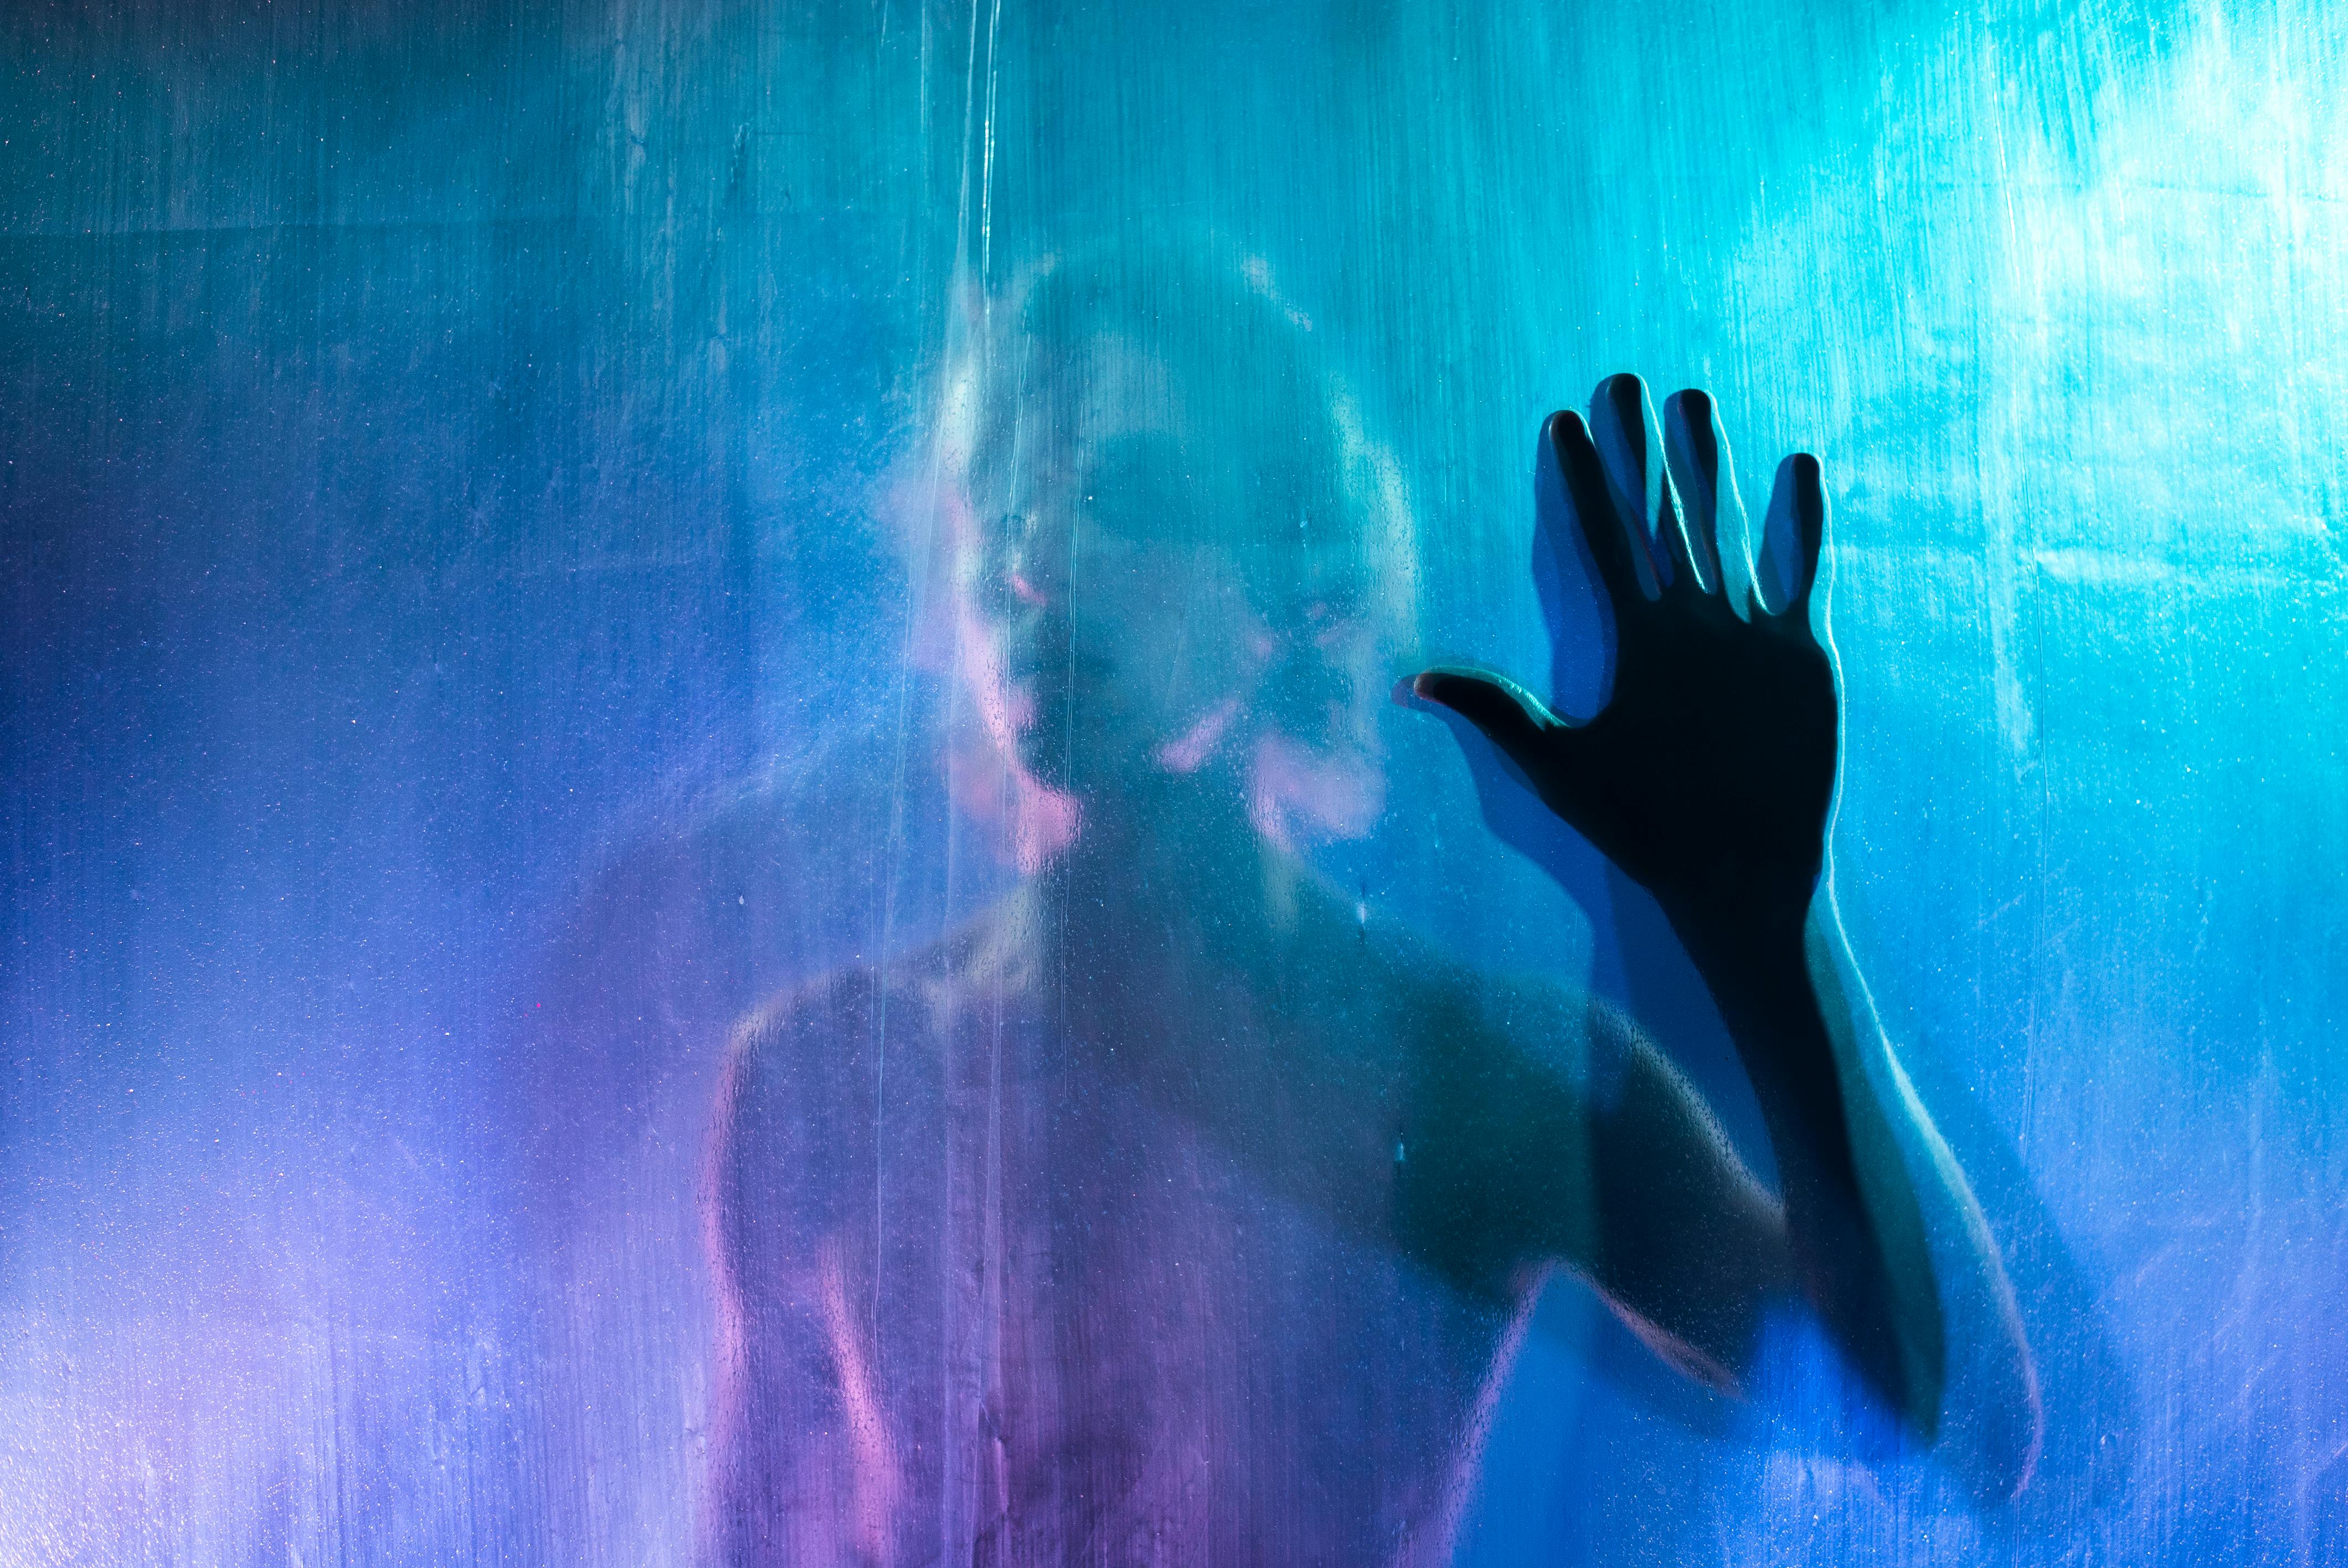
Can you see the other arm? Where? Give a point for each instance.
(805, 1467)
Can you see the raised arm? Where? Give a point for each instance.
(1708, 778)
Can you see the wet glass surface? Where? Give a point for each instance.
(709, 858)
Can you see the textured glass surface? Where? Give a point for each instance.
(499, 511)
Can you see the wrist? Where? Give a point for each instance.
(1739, 930)
(1752, 951)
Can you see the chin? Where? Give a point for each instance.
(1100, 768)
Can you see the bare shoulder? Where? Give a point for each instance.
(840, 1007)
(840, 1019)
(821, 1080)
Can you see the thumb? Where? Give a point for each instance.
(1511, 717)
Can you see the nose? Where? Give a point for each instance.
(1011, 582)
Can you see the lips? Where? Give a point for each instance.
(1052, 693)
(1038, 659)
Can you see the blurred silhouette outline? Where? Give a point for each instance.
(1174, 1197)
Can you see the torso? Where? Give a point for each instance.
(1018, 1271)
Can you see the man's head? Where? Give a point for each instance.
(1176, 549)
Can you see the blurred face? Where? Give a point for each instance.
(1161, 603)
(1118, 640)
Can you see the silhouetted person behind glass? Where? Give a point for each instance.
(1171, 1212)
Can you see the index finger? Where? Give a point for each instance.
(1622, 572)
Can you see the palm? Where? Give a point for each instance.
(1707, 776)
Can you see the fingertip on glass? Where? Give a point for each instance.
(1422, 692)
(1562, 424)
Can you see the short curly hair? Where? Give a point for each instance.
(1188, 341)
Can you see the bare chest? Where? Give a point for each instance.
(1141, 1299)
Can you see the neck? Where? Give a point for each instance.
(1171, 866)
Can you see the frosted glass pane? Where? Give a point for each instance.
(710, 860)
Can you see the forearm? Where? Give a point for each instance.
(1855, 1223)
(1993, 1417)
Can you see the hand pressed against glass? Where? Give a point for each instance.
(1707, 777)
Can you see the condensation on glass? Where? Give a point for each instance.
(710, 860)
